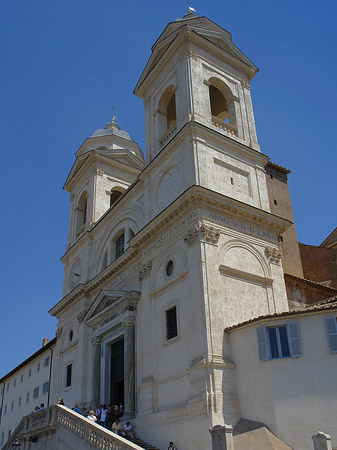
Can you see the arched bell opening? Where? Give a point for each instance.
(167, 115)
(222, 106)
(115, 194)
(81, 212)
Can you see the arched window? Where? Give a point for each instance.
(167, 115)
(120, 246)
(81, 212)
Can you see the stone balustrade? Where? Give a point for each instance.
(224, 126)
(172, 130)
(86, 433)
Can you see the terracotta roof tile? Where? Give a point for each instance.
(327, 304)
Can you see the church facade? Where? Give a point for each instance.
(187, 247)
(167, 255)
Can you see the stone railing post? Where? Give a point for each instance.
(222, 437)
(322, 441)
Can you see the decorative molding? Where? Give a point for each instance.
(99, 171)
(58, 332)
(191, 235)
(145, 271)
(207, 234)
(96, 340)
(129, 322)
(128, 308)
(81, 315)
(210, 360)
(273, 254)
(103, 304)
(195, 197)
(245, 275)
(210, 234)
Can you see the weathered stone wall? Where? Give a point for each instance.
(319, 264)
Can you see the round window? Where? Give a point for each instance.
(169, 268)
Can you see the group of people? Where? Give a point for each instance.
(38, 408)
(107, 415)
(116, 427)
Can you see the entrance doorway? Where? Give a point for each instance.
(117, 372)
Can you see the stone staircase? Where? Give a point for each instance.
(142, 444)
(59, 428)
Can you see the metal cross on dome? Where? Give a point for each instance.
(114, 118)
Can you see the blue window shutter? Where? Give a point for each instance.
(262, 342)
(331, 329)
(294, 339)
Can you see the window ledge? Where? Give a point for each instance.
(168, 134)
(224, 126)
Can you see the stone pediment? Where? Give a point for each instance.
(104, 303)
(122, 158)
(109, 302)
(201, 27)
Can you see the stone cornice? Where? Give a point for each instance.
(185, 35)
(193, 198)
(199, 131)
(92, 156)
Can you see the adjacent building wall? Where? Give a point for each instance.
(294, 397)
(320, 264)
(280, 204)
(26, 386)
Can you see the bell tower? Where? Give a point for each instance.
(198, 110)
(106, 164)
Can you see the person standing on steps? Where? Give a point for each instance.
(171, 446)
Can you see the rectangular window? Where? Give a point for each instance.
(36, 392)
(12, 405)
(45, 387)
(68, 375)
(14, 382)
(171, 323)
(30, 373)
(21, 378)
(27, 397)
(38, 367)
(331, 329)
(19, 401)
(2, 438)
(5, 409)
(46, 362)
(120, 246)
(279, 342)
(7, 387)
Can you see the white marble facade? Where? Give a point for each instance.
(189, 248)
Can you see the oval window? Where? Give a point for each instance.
(169, 268)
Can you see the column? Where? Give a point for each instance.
(96, 373)
(222, 437)
(129, 366)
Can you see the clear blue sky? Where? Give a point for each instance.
(65, 63)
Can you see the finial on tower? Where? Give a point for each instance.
(190, 11)
(114, 118)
